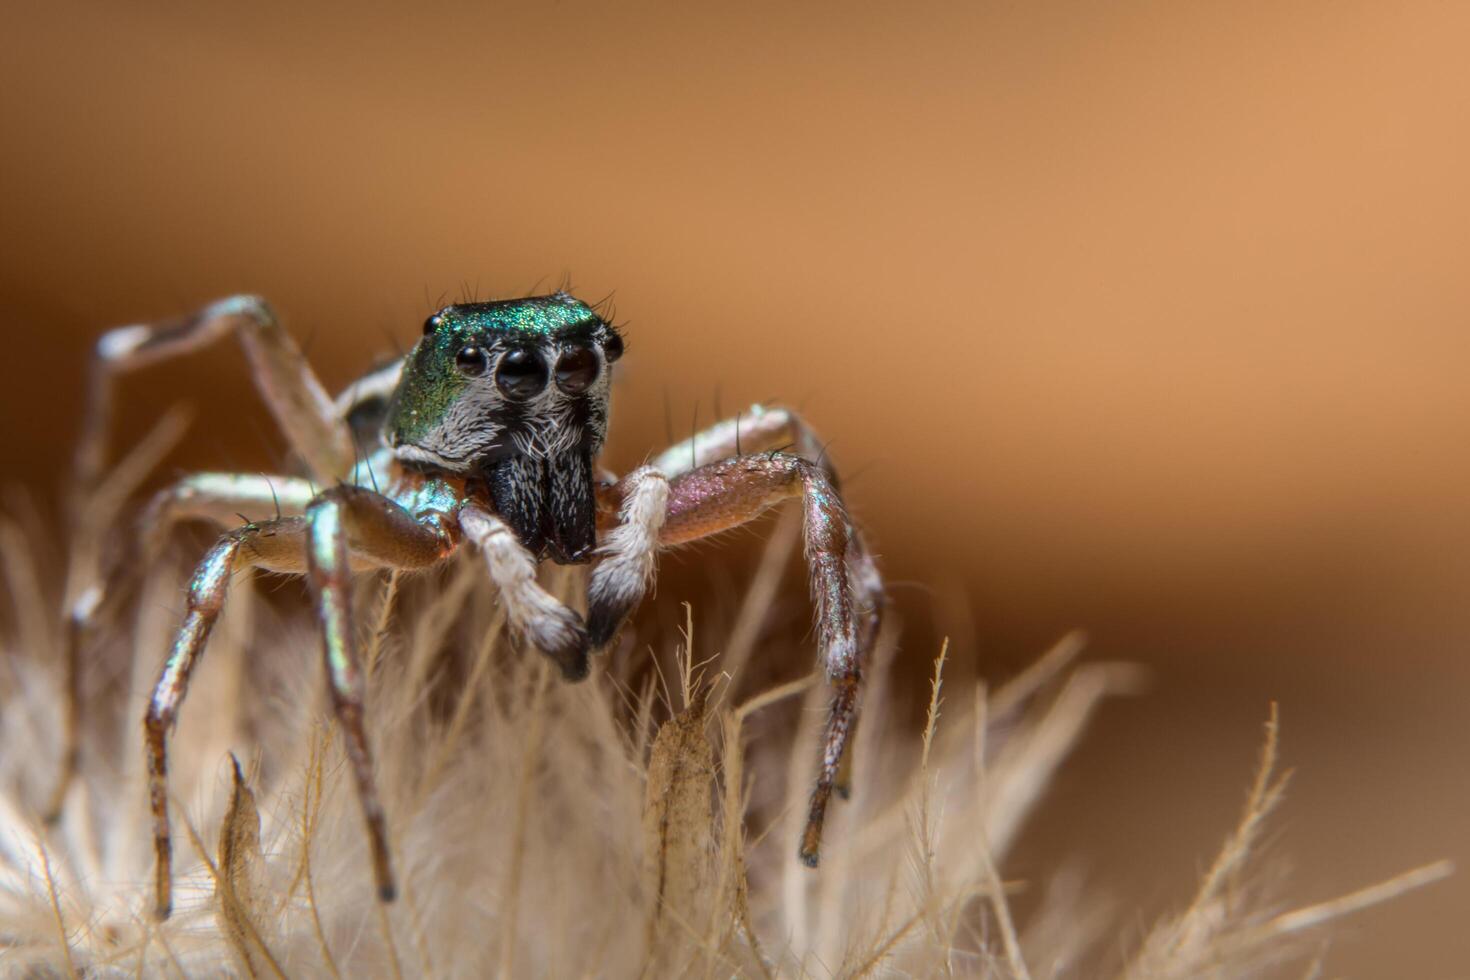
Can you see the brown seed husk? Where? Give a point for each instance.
(679, 829)
(237, 885)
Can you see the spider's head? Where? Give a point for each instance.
(515, 391)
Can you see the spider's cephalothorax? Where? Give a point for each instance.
(485, 434)
(515, 394)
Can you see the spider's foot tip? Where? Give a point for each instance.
(162, 912)
(844, 791)
(811, 844)
(600, 639)
(387, 892)
(602, 625)
(567, 647)
(575, 669)
(573, 659)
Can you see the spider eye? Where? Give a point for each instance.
(471, 361)
(576, 369)
(521, 374)
(612, 348)
(432, 324)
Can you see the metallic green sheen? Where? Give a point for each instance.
(431, 384)
(430, 496)
(326, 544)
(540, 316)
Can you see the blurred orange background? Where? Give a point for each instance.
(1146, 318)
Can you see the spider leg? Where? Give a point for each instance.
(344, 528)
(758, 429)
(534, 614)
(631, 510)
(276, 545)
(869, 584)
(295, 397)
(291, 391)
(845, 585)
(846, 588)
(349, 522)
(622, 575)
(220, 497)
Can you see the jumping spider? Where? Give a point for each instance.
(485, 432)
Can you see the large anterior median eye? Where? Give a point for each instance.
(521, 373)
(576, 369)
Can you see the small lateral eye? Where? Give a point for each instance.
(576, 369)
(612, 348)
(432, 324)
(471, 361)
(521, 373)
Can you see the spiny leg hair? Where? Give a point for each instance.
(221, 498)
(758, 429)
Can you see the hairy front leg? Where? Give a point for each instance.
(291, 390)
(344, 523)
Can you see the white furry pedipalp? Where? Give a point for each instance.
(622, 575)
(533, 613)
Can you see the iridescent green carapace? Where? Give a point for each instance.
(458, 361)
